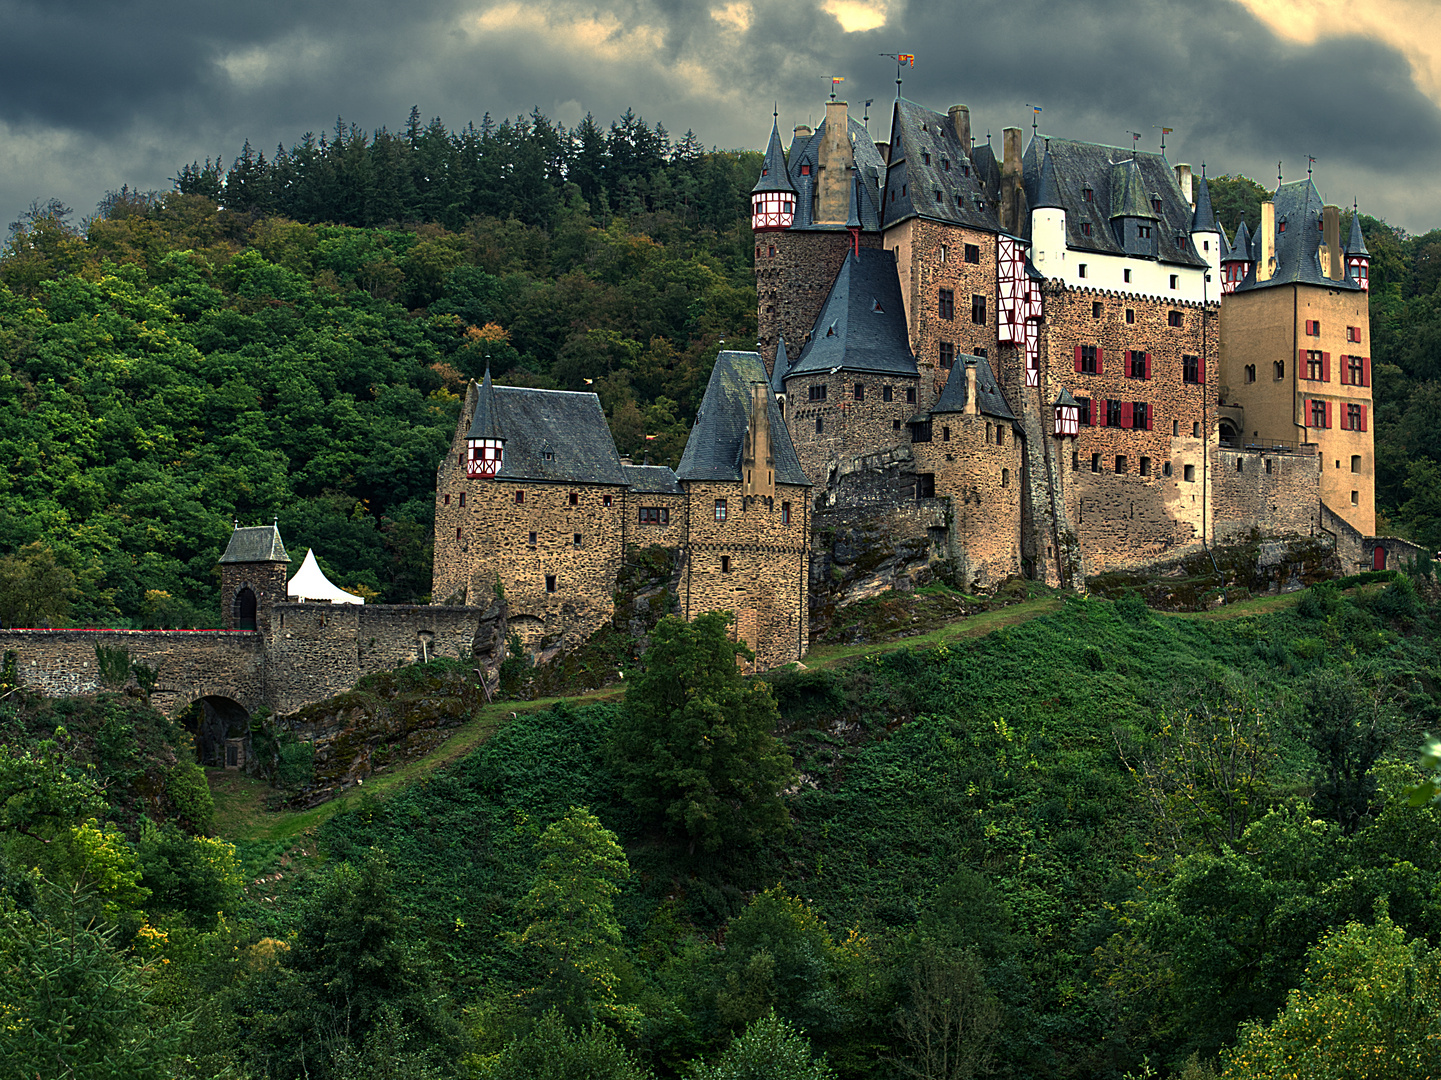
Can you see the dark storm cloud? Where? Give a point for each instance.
(104, 93)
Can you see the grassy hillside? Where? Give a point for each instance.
(969, 796)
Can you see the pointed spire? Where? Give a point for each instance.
(1356, 245)
(1241, 246)
(1225, 248)
(853, 219)
(781, 366)
(774, 176)
(484, 425)
(1048, 188)
(1203, 220)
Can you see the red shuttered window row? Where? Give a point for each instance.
(1353, 417)
(1135, 415)
(1314, 365)
(1317, 413)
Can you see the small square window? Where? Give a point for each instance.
(447, 500)
(575, 540)
(1130, 315)
(531, 540)
(1173, 318)
(910, 395)
(606, 500)
(1126, 276)
(859, 394)
(978, 310)
(720, 509)
(1081, 270)
(1120, 464)
(725, 564)
(550, 583)
(973, 253)
(1175, 281)
(519, 497)
(1096, 309)
(886, 393)
(575, 498)
(1188, 474)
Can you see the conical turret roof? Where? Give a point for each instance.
(1356, 245)
(484, 425)
(773, 170)
(1241, 246)
(1129, 197)
(1048, 187)
(1203, 220)
(781, 366)
(853, 219)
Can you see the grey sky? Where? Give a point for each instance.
(97, 94)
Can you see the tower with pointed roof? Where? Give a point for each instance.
(1237, 262)
(1296, 343)
(252, 576)
(1358, 259)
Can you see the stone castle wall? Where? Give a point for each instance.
(847, 425)
(1264, 493)
(267, 580)
(192, 663)
(753, 563)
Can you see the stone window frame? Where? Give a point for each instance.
(1355, 463)
(462, 499)
(1130, 316)
(859, 392)
(946, 355)
(978, 309)
(1122, 465)
(1315, 366)
(519, 497)
(577, 540)
(720, 511)
(446, 501)
(1175, 319)
(816, 392)
(574, 498)
(1113, 412)
(1138, 364)
(887, 393)
(1097, 309)
(1141, 418)
(725, 567)
(1250, 373)
(1175, 281)
(946, 304)
(607, 500)
(1191, 369)
(785, 513)
(910, 395)
(551, 584)
(652, 515)
(1144, 466)
(1095, 463)
(530, 541)
(1083, 413)
(1188, 473)
(1090, 359)
(973, 254)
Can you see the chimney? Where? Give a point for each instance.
(1183, 177)
(1266, 265)
(1333, 262)
(970, 408)
(758, 476)
(884, 149)
(625, 459)
(1013, 192)
(833, 186)
(961, 125)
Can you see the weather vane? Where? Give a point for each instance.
(1035, 119)
(867, 118)
(1164, 132)
(1135, 138)
(1310, 165)
(902, 60)
(836, 80)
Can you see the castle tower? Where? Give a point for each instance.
(1358, 259)
(1206, 235)
(485, 445)
(252, 576)
(1237, 262)
(773, 199)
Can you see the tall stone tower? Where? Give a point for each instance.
(252, 576)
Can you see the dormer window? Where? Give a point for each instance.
(946, 164)
(965, 170)
(925, 158)
(1085, 228)
(937, 195)
(805, 170)
(1143, 231)
(1281, 227)
(1156, 205)
(1088, 195)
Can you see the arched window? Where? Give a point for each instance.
(242, 609)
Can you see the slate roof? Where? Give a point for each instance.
(1356, 245)
(1241, 245)
(1048, 188)
(1105, 169)
(1298, 247)
(551, 436)
(870, 170)
(932, 176)
(782, 365)
(862, 325)
(773, 169)
(989, 399)
(717, 441)
(1203, 220)
(482, 422)
(652, 480)
(259, 543)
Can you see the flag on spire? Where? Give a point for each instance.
(908, 59)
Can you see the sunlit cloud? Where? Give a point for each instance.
(737, 16)
(1411, 27)
(857, 15)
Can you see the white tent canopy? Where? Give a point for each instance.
(310, 583)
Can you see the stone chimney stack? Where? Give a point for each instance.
(1183, 177)
(1333, 261)
(758, 457)
(961, 125)
(833, 186)
(1013, 191)
(971, 407)
(1266, 265)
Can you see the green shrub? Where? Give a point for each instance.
(1320, 601)
(189, 794)
(1398, 601)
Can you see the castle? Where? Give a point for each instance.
(1050, 363)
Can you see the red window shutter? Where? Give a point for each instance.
(1127, 414)
(1150, 417)
(1078, 359)
(1365, 371)
(1325, 367)
(1301, 364)
(1306, 412)
(1148, 365)
(1343, 374)
(1201, 369)
(1328, 414)
(1100, 366)
(1363, 418)
(1100, 410)
(1345, 418)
